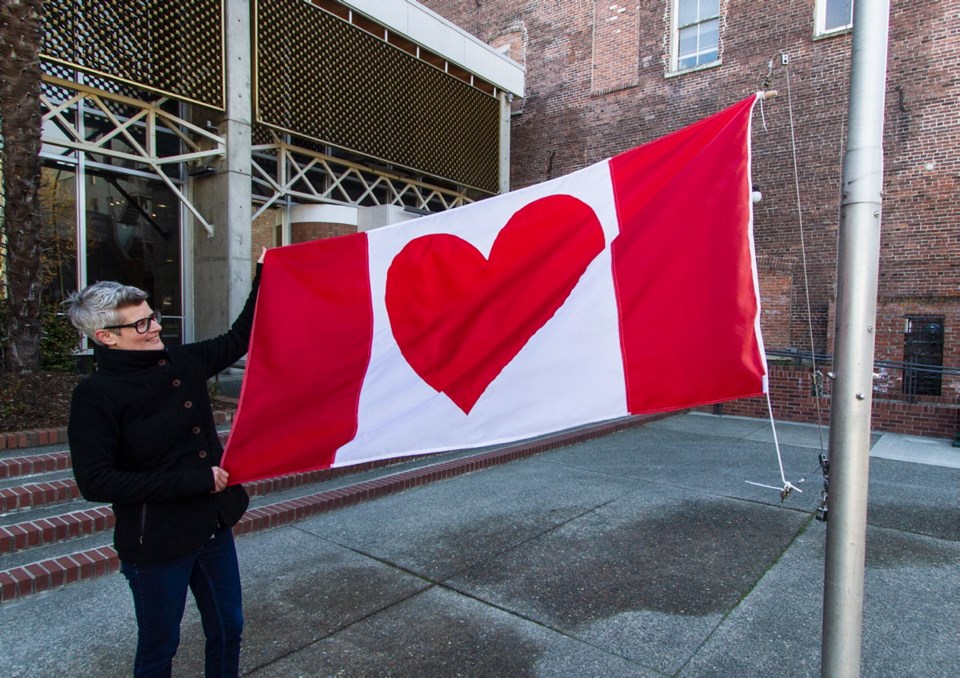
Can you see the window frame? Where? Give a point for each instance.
(675, 38)
(918, 381)
(820, 19)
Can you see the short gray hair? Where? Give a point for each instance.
(98, 305)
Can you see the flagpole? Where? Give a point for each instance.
(858, 259)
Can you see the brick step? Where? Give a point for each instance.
(35, 479)
(32, 443)
(25, 576)
(39, 476)
(53, 573)
(31, 439)
(32, 464)
(99, 537)
(29, 495)
(37, 528)
(34, 517)
(44, 511)
(275, 502)
(31, 534)
(39, 438)
(57, 486)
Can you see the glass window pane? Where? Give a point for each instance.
(133, 236)
(172, 332)
(709, 8)
(98, 125)
(707, 57)
(58, 212)
(709, 36)
(53, 129)
(838, 14)
(686, 12)
(687, 44)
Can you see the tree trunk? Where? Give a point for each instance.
(20, 76)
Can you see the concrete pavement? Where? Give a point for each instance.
(641, 553)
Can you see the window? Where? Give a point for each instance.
(106, 215)
(696, 33)
(132, 234)
(834, 16)
(58, 231)
(923, 355)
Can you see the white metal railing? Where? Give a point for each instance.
(287, 170)
(150, 116)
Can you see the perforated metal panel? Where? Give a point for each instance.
(172, 47)
(323, 78)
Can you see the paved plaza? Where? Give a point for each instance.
(641, 553)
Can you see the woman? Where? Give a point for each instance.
(142, 436)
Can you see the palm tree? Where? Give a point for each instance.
(20, 124)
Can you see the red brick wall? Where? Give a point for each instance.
(566, 124)
(776, 276)
(615, 63)
(791, 400)
(891, 320)
(314, 230)
(264, 233)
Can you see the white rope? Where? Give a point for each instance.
(763, 117)
(803, 249)
(817, 376)
(787, 487)
(763, 86)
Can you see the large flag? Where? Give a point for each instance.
(627, 287)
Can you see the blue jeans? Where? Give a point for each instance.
(159, 597)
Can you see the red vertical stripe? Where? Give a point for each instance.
(682, 266)
(313, 334)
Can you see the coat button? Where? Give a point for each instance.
(176, 382)
(196, 430)
(162, 361)
(202, 454)
(188, 404)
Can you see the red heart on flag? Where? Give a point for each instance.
(460, 318)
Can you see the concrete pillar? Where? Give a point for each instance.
(506, 101)
(222, 263)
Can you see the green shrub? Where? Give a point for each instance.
(59, 341)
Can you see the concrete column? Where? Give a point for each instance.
(506, 101)
(222, 263)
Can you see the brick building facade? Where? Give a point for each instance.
(602, 77)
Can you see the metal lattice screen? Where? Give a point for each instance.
(173, 47)
(323, 78)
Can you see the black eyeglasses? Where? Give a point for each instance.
(142, 326)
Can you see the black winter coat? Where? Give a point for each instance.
(142, 436)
